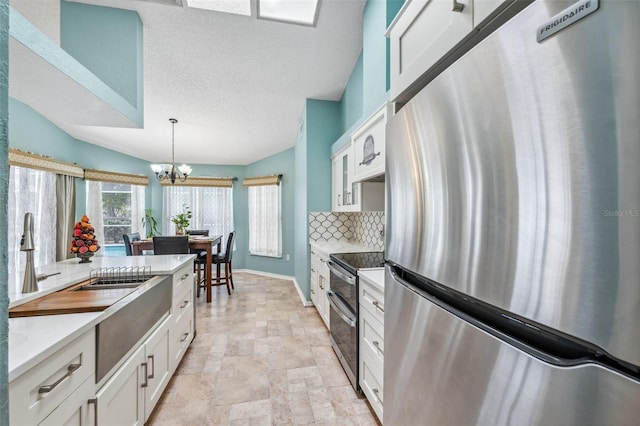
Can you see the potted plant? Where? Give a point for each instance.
(150, 223)
(182, 220)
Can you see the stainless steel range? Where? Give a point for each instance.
(343, 299)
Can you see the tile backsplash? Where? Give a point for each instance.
(365, 227)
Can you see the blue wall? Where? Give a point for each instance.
(322, 125)
(4, 177)
(351, 102)
(374, 56)
(30, 131)
(108, 42)
(282, 163)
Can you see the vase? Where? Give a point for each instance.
(85, 257)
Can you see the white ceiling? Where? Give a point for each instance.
(235, 83)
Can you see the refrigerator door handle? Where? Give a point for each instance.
(335, 304)
(341, 273)
(547, 344)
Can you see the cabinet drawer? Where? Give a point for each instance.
(182, 304)
(181, 337)
(371, 376)
(371, 335)
(372, 299)
(76, 409)
(181, 278)
(36, 393)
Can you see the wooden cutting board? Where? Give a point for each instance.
(70, 301)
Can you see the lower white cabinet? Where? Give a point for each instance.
(36, 394)
(371, 325)
(121, 400)
(76, 410)
(129, 396)
(319, 281)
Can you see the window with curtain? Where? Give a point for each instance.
(212, 208)
(115, 209)
(265, 219)
(32, 191)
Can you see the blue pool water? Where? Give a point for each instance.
(114, 250)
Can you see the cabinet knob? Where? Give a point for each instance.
(457, 6)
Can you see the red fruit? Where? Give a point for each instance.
(77, 232)
(83, 249)
(79, 243)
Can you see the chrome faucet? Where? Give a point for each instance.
(30, 283)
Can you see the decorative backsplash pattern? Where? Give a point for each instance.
(365, 227)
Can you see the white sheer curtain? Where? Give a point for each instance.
(265, 221)
(137, 209)
(212, 208)
(32, 191)
(94, 211)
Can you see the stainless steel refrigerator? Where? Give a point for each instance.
(513, 230)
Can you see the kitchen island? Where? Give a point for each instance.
(40, 389)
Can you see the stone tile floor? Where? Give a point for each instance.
(260, 358)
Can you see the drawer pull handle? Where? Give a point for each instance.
(48, 388)
(377, 305)
(377, 345)
(185, 303)
(457, 6)
(94, 401)
(313, 270)
(184, 277)
(313, 291)
(153, 366)
(146, 376)
(376, 392)
(184, 337)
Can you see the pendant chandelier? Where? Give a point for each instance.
(170, 171)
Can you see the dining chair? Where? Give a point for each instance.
(128, 239)
(201, 259)
(224, 257)
(171, 244)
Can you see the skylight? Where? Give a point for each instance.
(239, 7)
(302, 12)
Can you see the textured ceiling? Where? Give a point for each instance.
(235, 83)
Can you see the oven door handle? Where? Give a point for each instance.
(341, 273)
(336, 305)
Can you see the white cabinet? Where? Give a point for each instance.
(121, 400)
(183, 328)
(422, 34)
(369, 144)
(129, 396)
(75, 410)
(349, 195)
(320, 283)
(39, 392)
(371, 326)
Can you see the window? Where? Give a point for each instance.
(32, 191)
(265, 220)
(212, 208)
(117, 210)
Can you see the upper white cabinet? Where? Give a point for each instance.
(423, 32)
(369, 146)
(347, 195)
(426, 31)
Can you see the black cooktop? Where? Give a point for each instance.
(354, 261)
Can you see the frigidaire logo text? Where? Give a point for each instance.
(567, 17)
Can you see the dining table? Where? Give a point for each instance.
(196, 242)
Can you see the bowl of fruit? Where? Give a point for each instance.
(84, 243)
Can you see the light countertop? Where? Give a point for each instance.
(373, 276)
(33, 339)
(341, 246)
(72, 272)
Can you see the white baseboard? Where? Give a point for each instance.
(305, 302)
